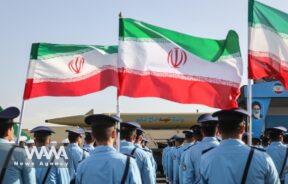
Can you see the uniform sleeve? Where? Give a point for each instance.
(79, 174)
(148, 176)
(170, 166)
(272, 176)
(188, 170)
(134, 176)
(203, 172)
(28, 172)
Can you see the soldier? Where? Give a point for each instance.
(189, 142)
(89, 141)
(164, 155)
(128, 137)
(278, 151)
(173, 165)
(73, 150)
(11, 172)
(56, 173)
(191, 165)
(106, 165)
(233, 162)
(30, 143)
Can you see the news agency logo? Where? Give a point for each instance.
(44, 157)
(44, 152)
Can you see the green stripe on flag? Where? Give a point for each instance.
(208, 49)
(48, 50)
(275, 20)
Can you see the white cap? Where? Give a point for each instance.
(53, 142)
(23, 138)
(30, 141)
(65, 141)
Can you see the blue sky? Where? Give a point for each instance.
(96, 22)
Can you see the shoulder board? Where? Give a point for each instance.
(259, 149)
(129, 155)
(206, 150)
(189, 147)
(147, 150)
(85, 150)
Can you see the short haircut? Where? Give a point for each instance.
(230, 128)
(275, 135)
(41, 137)
(102, 133)
(209, 129)
(73, 137)
(127, 132)
(88, 137)
(4, 126)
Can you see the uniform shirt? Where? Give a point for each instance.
(164, 158)
(16, 173)
(57, 174)
(106, 165)
(88, 147)
(142, 159)
(170, 155)
(277, 151)
(191, 165)
(149, 153)
(176, 161)
(182, 161)
(75, 155)
(225, 164)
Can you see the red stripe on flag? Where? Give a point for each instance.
(266, 67)
(95, 83)
(178, 90)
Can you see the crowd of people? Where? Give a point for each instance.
(216, 151)
(213, 151)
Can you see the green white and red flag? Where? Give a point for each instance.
(268, 44)
(157, 62)
(70, 70)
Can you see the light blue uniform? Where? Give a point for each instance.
(164, 159)
(57, 174)
(277, 151)
(75, 155)
(182, 161)
(225, 164)
(177, 160)
(16, 173)
(106, 165)
(170, 158)
(191, 165)
(88, 147)
(142, 159)
(149, 153)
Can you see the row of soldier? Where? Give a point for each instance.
(97, 162)
(203, 157)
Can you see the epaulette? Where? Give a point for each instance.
(147, 150)
(259, 149)
(188, 147)
(206, 150)
(85, 150)
(129, 155)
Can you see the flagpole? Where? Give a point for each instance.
(22, 107)
(249, 86)
(117, 105)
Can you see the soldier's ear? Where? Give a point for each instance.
(114, 133)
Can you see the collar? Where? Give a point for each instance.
(126, 143)
(232, 142)
(276, 143)
(4, 140)
(138, 145)
(209, 139)
(99, 149)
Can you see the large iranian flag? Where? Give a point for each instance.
(70, 70)
(157, 62)
(268, 48)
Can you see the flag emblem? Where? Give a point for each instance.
(76, 64)
(177, 57)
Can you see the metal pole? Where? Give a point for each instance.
(249, 86)
(22, 107)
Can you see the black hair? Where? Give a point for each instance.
(101, 133)
(4, 127)
(73, 137)
(275, 135)
(230, 128)
(41, 137)
(127, 133)
(209, 129)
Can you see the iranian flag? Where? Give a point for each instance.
(268, 47)
(70, 70)
(157, 62)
